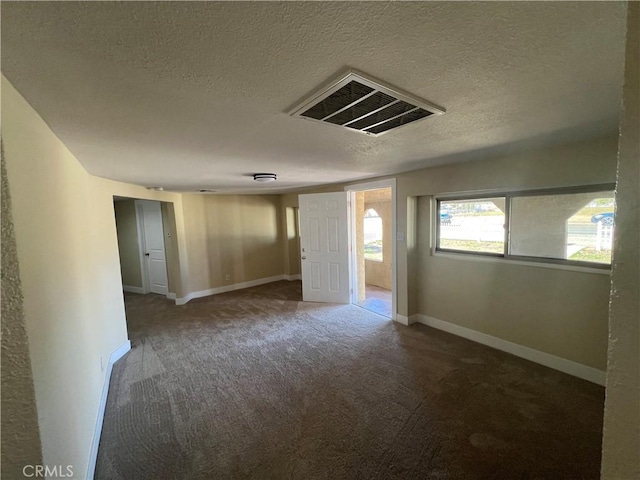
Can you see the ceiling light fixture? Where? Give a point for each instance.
(264, 177)
(158, 189)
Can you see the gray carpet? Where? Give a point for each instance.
(255, 384)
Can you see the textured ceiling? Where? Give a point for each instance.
(194, 95)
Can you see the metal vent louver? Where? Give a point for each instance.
(364, 105)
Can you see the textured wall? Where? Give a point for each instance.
(68, 255)
(379, 273)
(20, 431)
(127, 226)
(621, 443)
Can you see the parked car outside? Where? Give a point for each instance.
(445, 218)
(607, 218)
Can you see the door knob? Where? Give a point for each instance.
(146, 254)
(304, 258)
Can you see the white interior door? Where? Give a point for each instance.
(153, 246)
(324, 245)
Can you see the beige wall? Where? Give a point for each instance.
(379, 273)
(361, 271)
(291, 250)
(560, 312)
(237, 235)
(68, 258)
(68, 255)
(583, 163)
(412, 252)
(20, 431)
(172, 253)
(621, 442)
(291, 247)
(127, 231)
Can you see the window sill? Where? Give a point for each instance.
(492, 259)
(373, 260)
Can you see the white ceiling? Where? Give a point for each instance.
(195, 95)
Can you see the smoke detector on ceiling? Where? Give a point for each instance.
(264, 177)
(363, 104)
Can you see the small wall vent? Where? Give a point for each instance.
(364, 105)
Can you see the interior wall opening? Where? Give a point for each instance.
(147, 246)
(373, 240)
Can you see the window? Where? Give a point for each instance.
(473, 225)
(571, 226)
(372, 235)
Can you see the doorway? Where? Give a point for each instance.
(144, 242)
(372, 242)
(332, 233)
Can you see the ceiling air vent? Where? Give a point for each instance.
(364, 105)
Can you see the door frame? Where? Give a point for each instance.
(141, 243)
(142, 239)
(353, 267)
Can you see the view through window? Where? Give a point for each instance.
(582, 242)
(567, 226)
(473, 225)
(372, 235)
(575, 227)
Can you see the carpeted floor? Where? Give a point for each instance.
(255, 384)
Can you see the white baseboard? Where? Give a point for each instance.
(293, 277)
(130, 289)
(232, 287)
(171, 296)
(117, 354)
(406, 321)
(557, 363)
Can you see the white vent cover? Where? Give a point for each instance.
(364, 105)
